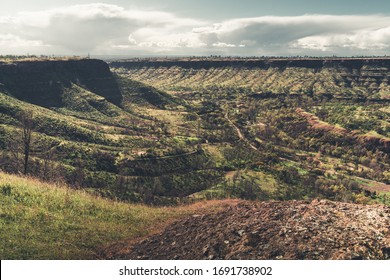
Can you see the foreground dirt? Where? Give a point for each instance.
(272, 230)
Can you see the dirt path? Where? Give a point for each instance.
(240, 135)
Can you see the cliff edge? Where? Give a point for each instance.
(43, 82)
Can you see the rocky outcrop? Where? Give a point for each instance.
(42, 82)
(275, 230)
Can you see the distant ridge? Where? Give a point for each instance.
(250, 62)
(347, 78)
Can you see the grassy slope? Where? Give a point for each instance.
(43, 221)
(87, 124)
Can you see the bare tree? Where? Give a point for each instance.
(27, 122)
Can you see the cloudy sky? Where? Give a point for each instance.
(198, 27)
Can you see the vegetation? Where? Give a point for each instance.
(95, 140)
(45, 221)
(171, 135)
(316, 131)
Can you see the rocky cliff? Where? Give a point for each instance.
(345, 78)
(262, 63)
(43, 82)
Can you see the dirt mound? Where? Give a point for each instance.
(274, 230)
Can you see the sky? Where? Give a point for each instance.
(201, 27)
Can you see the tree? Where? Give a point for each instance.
(27, 122)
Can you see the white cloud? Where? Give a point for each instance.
(223, 45)
(286, 35)
(12, 44)
(104, 28)
(131, 40)
(85, 28)
(13, 41)
(361, 40)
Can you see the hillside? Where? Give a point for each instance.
(92, 129)
(172, 131)
(284, 127)
(47, 221)
(272, 230)
(341, 78)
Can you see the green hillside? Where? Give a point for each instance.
(171, 132)
(88, 139)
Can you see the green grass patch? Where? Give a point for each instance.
(384, 198)
(43, 221)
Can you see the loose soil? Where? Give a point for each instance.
(319, 229)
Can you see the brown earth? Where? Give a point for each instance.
(317, 124)
(374, 186)
(272, 230)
